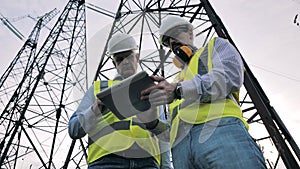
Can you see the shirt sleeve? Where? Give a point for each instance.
(83, 119)
(226, 75)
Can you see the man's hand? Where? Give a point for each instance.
(98, 107)
(160, 94)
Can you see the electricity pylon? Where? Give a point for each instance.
(35, 115)
(51, 103)
(14, 73)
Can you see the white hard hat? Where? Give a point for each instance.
(121, 42)
(169, 23)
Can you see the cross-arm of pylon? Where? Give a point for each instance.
(11, 27)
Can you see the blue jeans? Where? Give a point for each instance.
(112, 161)
(219, 144)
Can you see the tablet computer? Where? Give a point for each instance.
(123, 98)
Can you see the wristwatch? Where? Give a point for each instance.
(178, 91)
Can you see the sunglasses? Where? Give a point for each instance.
(120, 58)
(173, 33)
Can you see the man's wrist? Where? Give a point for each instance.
(98, 109)
(151, 125)
(160, 127)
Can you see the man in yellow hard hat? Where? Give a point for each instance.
(113, 142)
(207, 130)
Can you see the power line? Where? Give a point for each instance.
(276, 73)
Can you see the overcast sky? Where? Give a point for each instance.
(268, 38)
(264, 32)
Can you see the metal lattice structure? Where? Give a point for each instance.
(35, 115)
(58, 70)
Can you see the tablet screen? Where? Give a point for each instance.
(123, 98)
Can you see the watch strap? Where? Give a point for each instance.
(178, 91)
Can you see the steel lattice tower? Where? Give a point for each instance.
(35, 117)
(42, 103)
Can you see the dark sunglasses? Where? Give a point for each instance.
(120, 58)
(173, 33)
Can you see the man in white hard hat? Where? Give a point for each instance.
(207, 130)
(115, 143)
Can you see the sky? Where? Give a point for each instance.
(266, 33)
(268, 38)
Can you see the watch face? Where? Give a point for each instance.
(178, 91)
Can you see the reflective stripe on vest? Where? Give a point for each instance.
(196, 112)
(113, 135)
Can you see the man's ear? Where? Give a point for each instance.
(137, 57)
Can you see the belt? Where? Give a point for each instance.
(124, 155)
(133, 153)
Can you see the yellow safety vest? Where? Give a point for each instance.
(114, 135)
(198, 113)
